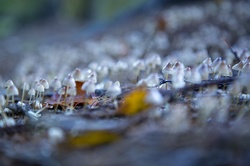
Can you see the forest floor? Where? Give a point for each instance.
(179, 131)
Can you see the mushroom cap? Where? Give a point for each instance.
(61, 91)
(139, 65)
(154, 60)
(78, 75)
(34, 84)
(107, 85)
(179, 66)
(92, 77)
(26, 86)
(114, 90)
(168, 68)
(44, 83)
(40, 88)
(208, 61)
(223, 69)
(178, 79)
(216, 62)
(195, 76)
(204, 71)
(246, 68)
(187, 72)
(32, 92)
(238, 66)
(8, 83)
(56, 83)
(69, 81)
(89, 87)
(12, 90)
(152, 80)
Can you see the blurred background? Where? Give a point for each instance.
(27, 25)
(15, 14)
(47, 38)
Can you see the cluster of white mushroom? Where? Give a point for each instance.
(66, 88)
(208, 69)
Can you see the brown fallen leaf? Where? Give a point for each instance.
(80, 98)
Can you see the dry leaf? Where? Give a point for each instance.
(92, 139)
(134, 102)
(80, 97)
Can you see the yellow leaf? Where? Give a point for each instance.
(134, 102)
(92, 139)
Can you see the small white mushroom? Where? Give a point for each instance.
(34, 84)
(114, 90)
(204, 71)
(153, 62)
(72, 93)
(89, 87)
(152, 80)
(78, 75)
(40, 90)
(246, 68)
(107, 85)
(69, 81)
(167, 70)
(238, 67)
(102, 72)
(92, 77)
(178, 67)
(208, 61)
(188, 72)
(31, 93)
(222, 69)
(195, 77)
(139, 66)
(11, 91)
(56, 84)
(216, 63)
(45, 83)
(178, 81)
(25, 88)
(61, 92)
(8, 83)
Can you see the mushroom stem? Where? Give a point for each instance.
(66, 93)
(239, 73)
(30, 99)
(7, 100)
(37, 95)
(13, 99)
(60, 96)
(23, 92)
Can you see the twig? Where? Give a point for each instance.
(233, 51)
(172, 93)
